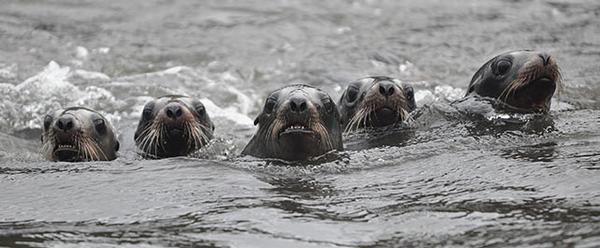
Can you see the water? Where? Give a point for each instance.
(451, 179)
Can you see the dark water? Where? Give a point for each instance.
(449, 180)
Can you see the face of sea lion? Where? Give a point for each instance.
(78, 134)
(523, 80)
(375, 102)
(297, 122)
(173, 126)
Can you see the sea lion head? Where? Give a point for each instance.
(375, 102)
(297, 122)
(524, 81)
(173, 125)
(78, 134)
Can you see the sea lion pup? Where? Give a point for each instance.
(522, 81)
(173, 125)
(78, 134)
(375, 102)
(297, 122)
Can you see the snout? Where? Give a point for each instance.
(66, 138)
(297, 116)
(173, 111)
(298, 109)
(545, 57)
(175, 115)
(386, 88)
(65, 124)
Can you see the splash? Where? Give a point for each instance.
(25, 104)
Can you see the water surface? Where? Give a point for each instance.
(448, 180)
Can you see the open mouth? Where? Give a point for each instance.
(66, 152)
(385, 112)
(543, 84)
(534, 96)
(296, 129)
(385, 116)
(176, 131)
(540, 91)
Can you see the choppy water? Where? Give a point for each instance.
(450, 180)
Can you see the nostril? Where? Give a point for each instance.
(298, 105)
(545, 58)
(386, 89)
(64, 124)
(69, 125)
(293, 106)
(174, 111)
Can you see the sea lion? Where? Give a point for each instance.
(78, 134)
(375, 102)
(522, 81)
(173, 125)
(297, 122)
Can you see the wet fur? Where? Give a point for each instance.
(91, 146)
(265, 143)
(528, 67)
(152, 135)
(359, 113)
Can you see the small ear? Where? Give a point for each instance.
(257, 120)
(117, 146)
(471, 89)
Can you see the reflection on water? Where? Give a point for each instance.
(461, 174)
(544, 152)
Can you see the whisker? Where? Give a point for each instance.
(81, 146)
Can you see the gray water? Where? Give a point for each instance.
(448, 180)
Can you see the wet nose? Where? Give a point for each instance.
(65, 123)
(298, 104)
(545, 58)
(173, 111)
(386, 88)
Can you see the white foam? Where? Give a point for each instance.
(244, 102)
(558, 105)
(229, 113)
(8, 71)
(424, 97)
(50, 85)
(449, 93)
(90, 75)
(57, 87)
(103, 50)
(81, 53)
(26, 103)
(174, 70)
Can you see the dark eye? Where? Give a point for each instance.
(199, 107)
(100, 125)
(410, 93)
(502, 66)
(352, 94)
(270, 105)
(47, 122)
(328, 104)
(147, 112)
